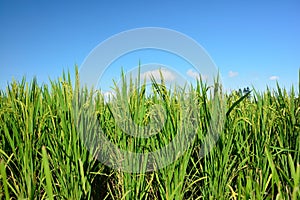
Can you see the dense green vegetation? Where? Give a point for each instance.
(43, 156)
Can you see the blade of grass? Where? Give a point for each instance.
(47, 173)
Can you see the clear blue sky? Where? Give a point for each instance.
(251, 42)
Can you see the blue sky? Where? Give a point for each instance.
(251, 42)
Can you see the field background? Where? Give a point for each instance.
(41, 155)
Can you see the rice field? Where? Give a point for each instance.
(43, 154)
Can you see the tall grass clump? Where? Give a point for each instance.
(51, 149)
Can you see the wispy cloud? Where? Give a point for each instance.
(108, 95)
(232, 74)
(167, 75)
(274, 78)
(195, 75)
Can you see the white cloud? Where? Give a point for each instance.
(232, 74)
(108, 95)
(274, 78)
(167, 75)
(195, 74)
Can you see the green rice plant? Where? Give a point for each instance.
(47, 174)
(33, 117)
(45, 151)
(4, 180)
